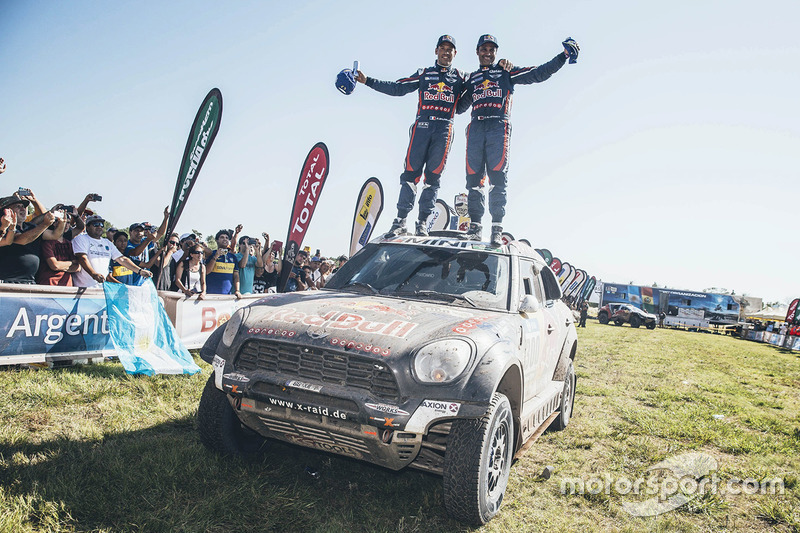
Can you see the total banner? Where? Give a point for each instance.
(201, 136)
(368, 210)
(791, 313)
(309, 189)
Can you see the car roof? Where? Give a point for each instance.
(517, 248)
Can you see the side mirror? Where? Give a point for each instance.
(529, 304)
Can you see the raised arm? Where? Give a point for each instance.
(400, 87)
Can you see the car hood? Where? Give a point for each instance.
(373, 325)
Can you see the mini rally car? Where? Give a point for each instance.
(433, 353)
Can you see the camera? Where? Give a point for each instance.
(96, 198)
(68, 208)
(252, 241)
(24, 192)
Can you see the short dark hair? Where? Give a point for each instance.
(120, 233)
(227, 232)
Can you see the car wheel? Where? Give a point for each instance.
(651, 325)
(219, 427)
(602, 318)
(567, 401)
(636, 321)
(477, 463)
(617, 322)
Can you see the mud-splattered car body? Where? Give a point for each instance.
(413, 335)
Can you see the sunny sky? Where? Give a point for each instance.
(669, 153)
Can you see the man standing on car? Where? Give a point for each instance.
(489, 91)
(431, 134)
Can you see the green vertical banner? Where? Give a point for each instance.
(201, 136)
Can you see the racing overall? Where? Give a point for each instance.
(489, 91)
(430, 135)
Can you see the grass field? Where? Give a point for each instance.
(92, 449)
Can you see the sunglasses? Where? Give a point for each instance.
(96, 224)
(196, 252)
(174, 243)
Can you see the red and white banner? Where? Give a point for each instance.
(790, 314)
(309, 189)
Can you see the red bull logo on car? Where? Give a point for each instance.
(439, 91)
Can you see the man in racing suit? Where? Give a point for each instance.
(489, 91)
(431, 134)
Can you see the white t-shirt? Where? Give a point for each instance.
(100, 252)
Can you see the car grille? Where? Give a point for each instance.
(319, 366)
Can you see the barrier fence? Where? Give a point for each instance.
(42, 324)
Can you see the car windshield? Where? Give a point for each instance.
(470, 278)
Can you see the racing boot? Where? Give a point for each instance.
(422, 231)
(497, 235)
(474, 231)
(398, 228)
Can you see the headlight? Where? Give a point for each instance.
(442, 361)
(232, 326)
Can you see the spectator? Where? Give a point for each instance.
(7, 224)
(187, 242)
(271, 272)
(307, 279)
(222, 268)
(295, 281)
(325, 271)
(19, 261)
(95, 253)
(141, 243)
(91, 197)
(165, 265)
(190, 275)
(58, 262)
(110, 233)
(119, 273)
(341, 260)
(2, 165)
(584, 314)
(250, 260)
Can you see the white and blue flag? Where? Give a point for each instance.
(143, 336)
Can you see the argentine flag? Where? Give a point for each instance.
(143, 336)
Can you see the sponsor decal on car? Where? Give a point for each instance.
(443, 408)
(303, 385)
(386, 408)
(339, 320)
(325, 446)
(362, 347)
(385, 422)
(274, 332)
(313, 409)
(467, 325)
(236, 376)
(219, 366)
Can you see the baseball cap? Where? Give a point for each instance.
(8, 201)
(188, 236)
(346, 81)
(315, 258)
(136, 225)
(94, 218)
(446, 39)
(487, 39)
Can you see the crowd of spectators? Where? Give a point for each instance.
(72, 246)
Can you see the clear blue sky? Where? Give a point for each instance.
(670, 153)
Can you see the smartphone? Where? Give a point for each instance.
(24, 192)
(252, 241)
(276, 247)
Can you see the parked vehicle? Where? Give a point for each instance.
(619, 314)
(433, 353)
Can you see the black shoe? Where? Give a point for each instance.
(398, 228)
(474, 231)
(421, 230)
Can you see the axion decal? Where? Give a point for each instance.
(361, 346)
(342, 320)
(445, 408)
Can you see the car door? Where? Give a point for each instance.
(532, 329)
(556, 317)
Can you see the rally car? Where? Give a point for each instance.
(433, 353)
(626, 313)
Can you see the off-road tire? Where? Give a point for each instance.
(219, 427)
(477, 463)
(636, 321)
(618, 322)
(651, 325)
(567, 401)
(602, 318)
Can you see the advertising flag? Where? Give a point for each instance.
(143, 336)
(555, 265)
(201, 136)
(792, 311)
(546, 255)
(439, 219)
(368, 211)
(309, 189)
